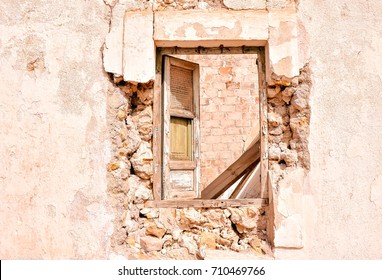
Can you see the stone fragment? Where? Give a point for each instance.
(288, 91)
(112, 166)
(255, 243)
(223, 241)
(142, 161)
(176, 234)
(271, 92)
(236, 215)
(243, 219)
(190, 217)
(130, 240)
(274, 152)
(167, 217)
(188, 242)
(142, 194)
(138, 191)
(120, 236)
(144, 122)
(123, 133)
(290, 157)
(155, 229)
(121, 115)
(146, 96)
(275, 130)
(229, 233)
(300, 97)
(274, 119)
(215, 218)
(131, 226)
(150, 213)
(125, 174)
(179, 254)
(227, 213)
(132, 139)
(203, 5)
(208, 240)
(150, 244)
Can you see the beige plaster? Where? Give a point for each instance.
(210, 28)
(138, 47)
(53, 145)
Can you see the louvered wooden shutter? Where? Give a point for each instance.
(181, 129)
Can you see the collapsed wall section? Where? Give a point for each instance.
(164, 233)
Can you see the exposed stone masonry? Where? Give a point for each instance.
(288, 122)
(174, 233)
(183, 233)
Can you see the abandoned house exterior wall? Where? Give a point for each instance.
(70, 132)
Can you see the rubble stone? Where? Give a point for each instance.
(188, 241)
(208, 240)
(142, 161)
(132, 139)
(149, 243)
(155, 229)
(144, 122)
(150, 213)
(138, 192)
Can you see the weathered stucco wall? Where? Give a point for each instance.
(343, 201)
(57, 107)
(53, 137)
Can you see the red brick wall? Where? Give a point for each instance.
(229, 108)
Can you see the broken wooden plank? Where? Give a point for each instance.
(233, 172)
(206, 203)
(252, 137)
(250, 186)
(227, 194)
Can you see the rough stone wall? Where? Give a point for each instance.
(229, 109)
(288, 122)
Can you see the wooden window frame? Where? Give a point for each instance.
(158, 136)
(172, 166)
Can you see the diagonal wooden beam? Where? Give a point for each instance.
(249, 187)
(234, 172)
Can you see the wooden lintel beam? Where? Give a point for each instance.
(206, 203)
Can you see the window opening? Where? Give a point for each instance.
(191, 109)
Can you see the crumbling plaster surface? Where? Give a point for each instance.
(342, 203)
(54, 143)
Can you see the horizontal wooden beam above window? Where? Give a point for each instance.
(206, 203)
